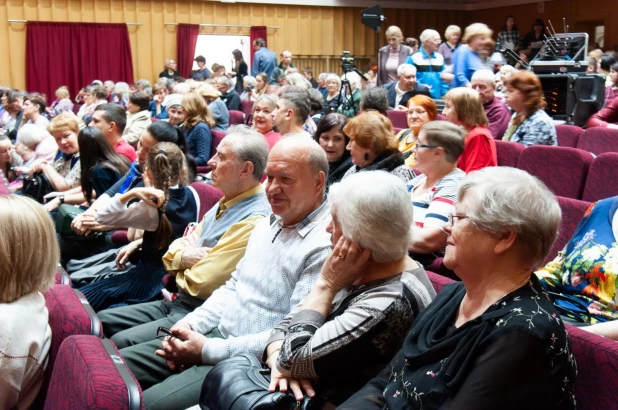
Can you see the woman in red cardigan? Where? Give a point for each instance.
(463, 107)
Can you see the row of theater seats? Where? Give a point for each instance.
(87, 371)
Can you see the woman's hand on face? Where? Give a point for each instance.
(344, 264)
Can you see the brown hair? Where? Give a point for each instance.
(25, 269)
(427, 103)
(166, 163)
(197, 110)
(468, 105)
(371, 130)
(530, 86)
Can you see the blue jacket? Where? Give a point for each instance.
(428, 70)
(264, 61)
(465, 63)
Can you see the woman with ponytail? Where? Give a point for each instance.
(162, 209)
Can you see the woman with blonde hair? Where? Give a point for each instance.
(463, 107)
(25, 273)
(421, 110)
(333, 86)
(451, 43)
(391, 56)
(197, 125)
(261, 84)
(466, 59)
(373, 146)
(62, 103)
(530, 124)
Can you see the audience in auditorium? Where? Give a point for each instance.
(84, 224)
(203, 260)
(217, 107)
(176, 116)
(169, 70)
(197, 124)
(375, 98)
(308, 74)
(33, 110)
(138, 116)
(264, 60)
(38, 141)
(13, 107)
(530, 124)
(368, 293)
(284, 65)
(316, 109)
(322, 84)
(607, 117)
(373, 146)
(452, 36)
(121, 94)
(291, 113)
(429, 63)
(584, 274)
(261, 84)
(61, 104)
(228, 95)
(406, 87)
(64, 172)
(25, 273)
(611, 91)
(298, 80)
(498, 114)
(509, 37)
(163, 212)
(248, 85)
(511, 330)
(157, 107)
(111, 119)
(202, 73)
(333, 86)
(463, 107)
(283, 258)
(333, 141)
(605, 63)
(532, 42)
(262, 119)
(434, 192)
(466, 59)
(94, 96)
(391, 56)
(421, 110)
(412, 43)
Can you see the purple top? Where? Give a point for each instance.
(447, 52)
(499, 117)
(610, 95)
(64, 105)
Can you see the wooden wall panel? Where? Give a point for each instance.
(316, 35)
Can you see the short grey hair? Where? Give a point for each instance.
(404, 67)
(269, 99)
(374, 210)
(334, 77)
(31, 135)
(322, 76)
(122, 88)
(181, 88)
(375, 98)
(505, 199)
(249, 81)
(427, 34)
(486, 76)
(143, 83)
(249, 146)
(223, 79)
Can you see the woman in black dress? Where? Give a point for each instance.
(240, 70)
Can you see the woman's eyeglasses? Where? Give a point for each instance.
(452, 217)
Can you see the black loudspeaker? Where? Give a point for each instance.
(573, 98)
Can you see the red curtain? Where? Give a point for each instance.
(186, 40)
(75, 54)
(257, 32)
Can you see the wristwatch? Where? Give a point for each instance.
(61, 199)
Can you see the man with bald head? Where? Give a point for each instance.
(498, 114)
(284, 256)
(284, 64)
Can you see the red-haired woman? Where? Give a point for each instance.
(421, 110)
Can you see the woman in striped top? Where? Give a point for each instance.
(434, 192)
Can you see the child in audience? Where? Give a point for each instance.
(164, 208)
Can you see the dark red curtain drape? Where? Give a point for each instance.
(257, 32)
(186, 40)
(75, 54)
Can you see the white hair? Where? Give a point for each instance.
(223, 79)
(322, 76)
(505, 199)
(334, 77)
(404, 67)
(486, 76)
(249, 145)
(181, 88)
(31, 135)
(249, 81)
(428, 34)
(298, 80)
(374, 210)
(122, 88)
(354, 79)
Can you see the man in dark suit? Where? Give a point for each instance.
(399, 92)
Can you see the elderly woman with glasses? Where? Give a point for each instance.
(434, 191)
(368, 293)
(493, 340)
(421, 110)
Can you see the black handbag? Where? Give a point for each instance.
(241, 383)
(37, 187)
